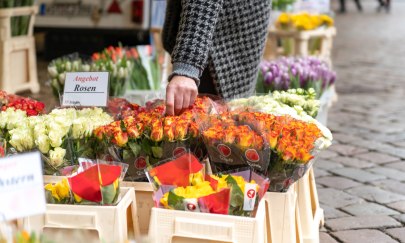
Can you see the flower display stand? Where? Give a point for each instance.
(300, 43)
(18, 68)
(310, 213)
(283, 223)
(110, 222)
(180, 226)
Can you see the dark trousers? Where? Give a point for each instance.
(343, 5)
(385, 3)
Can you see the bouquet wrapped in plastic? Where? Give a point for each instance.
(94, 183)
(293, 145)
(149, 137)
(233, 143)
(180, 184)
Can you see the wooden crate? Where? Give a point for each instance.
(283, 223)
(300, 43)
(108, 222)
(180, 226)
(144, 203)
(18, 68)
(310, 213)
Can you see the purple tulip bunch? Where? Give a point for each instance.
(295, 72)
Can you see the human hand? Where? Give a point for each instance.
(180, 94)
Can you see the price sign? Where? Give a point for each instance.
(86, 89)
(21, 186)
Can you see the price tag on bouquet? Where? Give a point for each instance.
(84, 89)
(21, 186)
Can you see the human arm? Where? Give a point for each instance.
(191, 50)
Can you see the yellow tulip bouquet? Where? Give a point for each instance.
(180, 184)
(96, 184)
(302, 22)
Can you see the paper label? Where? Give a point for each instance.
(86, 89)
(21, 186)
(191, 205)
(249, 197)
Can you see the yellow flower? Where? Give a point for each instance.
(196, 179)
(200, 190)
(283, 20)
(326, 20)
(52, 189)
(77, 198)
(62, 189)
(116, 184)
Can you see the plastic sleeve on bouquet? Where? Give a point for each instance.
(98, 184)
(177, 171)
(233, 145)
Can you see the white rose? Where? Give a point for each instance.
(21, 139)
(52, 71)
(68, 66)
(40, 129)
(61, 78)
(86, 68)
(57, 156)
(55, 138)
(78, 128)
(121, 73)
(43, 144)
(75, 65)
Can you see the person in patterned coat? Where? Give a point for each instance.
(216, 47)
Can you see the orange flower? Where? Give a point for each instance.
(120, 138)
(168, 129)
(180, 130)
(193, 129)
(95, 56)
(157, 130)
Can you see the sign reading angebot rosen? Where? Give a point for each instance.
(21, 186)
(86, 89)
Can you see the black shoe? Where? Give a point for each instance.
(342, 11)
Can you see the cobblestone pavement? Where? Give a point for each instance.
(361, 178)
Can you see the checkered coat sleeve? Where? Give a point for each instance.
(226, 36)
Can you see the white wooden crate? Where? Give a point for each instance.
(300, 40)
(18, 68)
(310, 213)
(110, 222)
(180, 226)
(282, 217)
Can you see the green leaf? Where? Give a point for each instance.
(236, 204)
(109, 194)
(146, 146)
(157, 152)
(175, 201)
(136, 148)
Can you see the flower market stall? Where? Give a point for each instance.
(222, 161)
